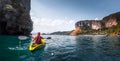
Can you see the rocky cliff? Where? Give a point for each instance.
(112, 23)
(15, 17)
(76, 31)
(109, 25)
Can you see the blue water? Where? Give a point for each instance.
(62, 48)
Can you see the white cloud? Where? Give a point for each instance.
(96, 18)
(45, 25)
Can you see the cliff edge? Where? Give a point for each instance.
(15, 17)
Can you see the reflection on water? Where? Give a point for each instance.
(62, 48)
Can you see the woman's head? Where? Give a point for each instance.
(38, 33)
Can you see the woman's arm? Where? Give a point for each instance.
(34, 38)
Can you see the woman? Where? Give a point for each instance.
(37, 39)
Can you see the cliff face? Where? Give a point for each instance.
(15, 17)
(109, 24)
(112, 23)
(88, 24)
(76, 31)
(112, 16)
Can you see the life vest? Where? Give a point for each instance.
(38, 39)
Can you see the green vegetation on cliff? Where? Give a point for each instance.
(110, 25)
(114, 30)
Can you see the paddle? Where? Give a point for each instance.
(23, 37)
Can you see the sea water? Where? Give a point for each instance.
(62, 48)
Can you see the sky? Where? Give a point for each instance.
(61, 15)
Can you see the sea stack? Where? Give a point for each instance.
(15, 17)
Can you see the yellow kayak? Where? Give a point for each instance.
(34, 46)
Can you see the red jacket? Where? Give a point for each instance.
(37, 39)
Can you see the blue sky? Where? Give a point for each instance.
(54, 14)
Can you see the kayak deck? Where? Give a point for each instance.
(34, 46)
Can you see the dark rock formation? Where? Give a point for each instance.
(15, 17)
